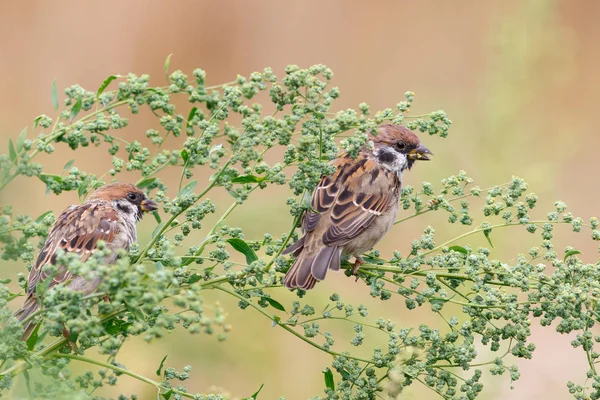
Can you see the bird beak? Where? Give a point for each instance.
(420, 153)
(148, 205)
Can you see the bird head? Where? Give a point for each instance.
(397, 148)
(126, 197)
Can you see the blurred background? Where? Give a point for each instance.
(519, 79)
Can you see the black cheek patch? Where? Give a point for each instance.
(386, 157)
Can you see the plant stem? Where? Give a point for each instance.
(123, 371)
(277, 322)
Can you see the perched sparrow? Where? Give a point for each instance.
(355, 207)
(109, 214)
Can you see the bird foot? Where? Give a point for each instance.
(72, 344)
(359, 261)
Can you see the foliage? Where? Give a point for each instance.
(159, 285)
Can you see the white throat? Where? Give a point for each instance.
(391, 160)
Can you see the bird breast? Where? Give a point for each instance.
(373, 234)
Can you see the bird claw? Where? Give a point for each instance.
(359, 261)
(72, 344)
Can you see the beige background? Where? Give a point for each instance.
(518, 78)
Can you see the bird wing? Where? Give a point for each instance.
(352, 198)
(77, 230)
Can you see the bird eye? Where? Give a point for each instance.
(132, 196)
(400, 145)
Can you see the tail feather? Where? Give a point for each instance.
(295, 247)
(29, 307)
(321, 262)
(307, 270)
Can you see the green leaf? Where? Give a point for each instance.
(28, 384)
(184, 155)
(571, 253)
(191, 115)
(41, 217)
(248, 179)
(82, 190)
(12, 151)
(329, 384)
(162, 364)
(487, 236)
(167, 395)
(158, 228)
(145, 182)
(157, 216)
(21, 139)
(54, 95)
(36, 120)
(75, 109)
(275, 304)
(459, 249)
(215, 148)
(194, 278)
(68, 165)
(5, 281)
(115, 326)
(187, 189)
(242, 247)
(105, 84)
(136, 312)
(167, 62)
(255, 395)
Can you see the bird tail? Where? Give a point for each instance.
(29, 307)
(308, 269)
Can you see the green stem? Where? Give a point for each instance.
(492, 227)
(174, 216)
(418, 213)
(277, 322)
(123, 371)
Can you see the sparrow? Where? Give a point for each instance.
(355, 207)
(109, 214)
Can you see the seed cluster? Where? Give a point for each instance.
(233, 132)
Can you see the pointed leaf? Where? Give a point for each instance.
(156, 216)
(194, 278)
(68, 165)
(5, 281)
(160, 367)
(242, 247)
(158, 229)
(458, 249)
(184, 155)
(215, 148)
(275, 304)
(105, 84)
(21, 139)
(54, 95)
(191, 115)
(487, 236)
(187, 189)
(255, 395)
(145, 182)
(248, 179)
(11, 151)
(36, 120)
(41, 217)
(75, 109)
(571, 253)
(328, 375)
(167, 62)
